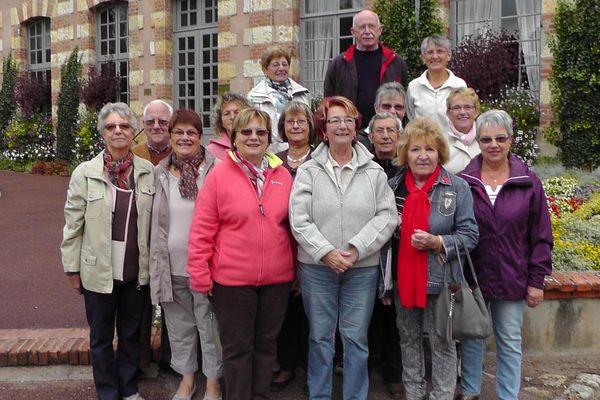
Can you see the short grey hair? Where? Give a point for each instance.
(495, 118)
(216, 119)
(385, 115)
(121, 109)
(389, 89)
(158, 101)
(436, 40)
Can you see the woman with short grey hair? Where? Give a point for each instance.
(426, 95)
(105, 250)
(492, 118)
(227, 107)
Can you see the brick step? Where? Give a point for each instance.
(33, 347)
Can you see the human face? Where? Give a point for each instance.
(495, 151)
(228, 113)
(185, 141)
(436, 58)
(366, 30)
(296, 129)
(462, 113)
(422, 159)
(117, 135)
(278, 69)
(394, 104)
(156, 125)
(384, 137)
(254, 145)
(341, 128)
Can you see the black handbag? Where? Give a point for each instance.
(460, 311)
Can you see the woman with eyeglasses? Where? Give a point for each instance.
(105, 250)
(463, 109)
(240, 254)
(426, 95)
(227, 107)
(276, 90)
(513, 255)
(188, 314)
(342, 212)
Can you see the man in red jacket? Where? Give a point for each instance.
(358, 72)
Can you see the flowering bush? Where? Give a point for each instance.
(524, 110)
(29, 138)
(88, 141)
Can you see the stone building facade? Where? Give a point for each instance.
(187, 51)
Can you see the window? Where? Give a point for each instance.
(520, 18)
(325, 29)
(112, 46)
(38, 38)
(195, 60)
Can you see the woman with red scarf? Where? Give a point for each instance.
(105, 250)
(435, 208)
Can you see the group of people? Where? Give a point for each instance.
(292, 228)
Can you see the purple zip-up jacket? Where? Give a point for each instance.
(515, 234)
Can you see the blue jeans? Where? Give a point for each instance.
(328, 297)
(507, 319)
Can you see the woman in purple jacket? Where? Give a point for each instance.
(513, 255)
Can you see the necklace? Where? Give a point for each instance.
(496, 176)
(297, 160)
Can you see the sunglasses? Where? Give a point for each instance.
(258, 131)
(123, 126)
(498, 139)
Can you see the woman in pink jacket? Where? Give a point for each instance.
(240, 254)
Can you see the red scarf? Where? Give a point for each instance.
(412, 263)
(117, 170)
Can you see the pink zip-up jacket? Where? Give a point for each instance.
(237, 239)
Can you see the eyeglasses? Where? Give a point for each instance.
(498, 139)
(259, 131)
(466, 108)
(389, 131)
(161, 122)
(301, 122)
(191, 133)
(279, 64)
(349, 121)
(123, 126)
(364, 27)
(389, 107)
(437, 52)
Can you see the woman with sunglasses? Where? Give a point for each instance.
(188, 315)
(342, 212)
(240, 253)
(105, 250)
(513, 255)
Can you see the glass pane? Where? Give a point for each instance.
(205, 72)
(215, 40)
(206, 104)
(214, 71)
(111, 31)
(191, 75)
(193, 5)
(103, 49)
(181, 74)
(111, 47)
(193, 18)
(205, 41)
(191, 58)
(39, 56)
(345, 25)
(103, 32)
(215, 55)
(344, 44)
(509, 8)
(345, 4)
(181, 43)
(184, 6)
(206, 56)
(191, 42)
(191, 89)
(182, 104)
(181, 90)
(123, 68)
(111, 15)
(191, 104)
(123, 29)
(31, 43)
(184, 20)
(123, 46)
(32, 57)
(103, 17)
(48, 55)
(208, 16)
(206, 88)
(181, 58)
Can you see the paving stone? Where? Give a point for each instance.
(537, 392)
(553, 380)
(591, 380)
(582, 392)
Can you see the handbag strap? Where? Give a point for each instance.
(469, 261)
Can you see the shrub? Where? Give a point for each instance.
(524, 110)
(404, 33)
(29, 138)
(575, 82)
(58, 167)
(488, 62)
(68, 104)
(99, 88)
(33, 95)
(88, 141)
(7, 97)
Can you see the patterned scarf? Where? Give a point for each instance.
(188, 187)
(283, 88)
(117, 169)
(465, 138)
(412, 266)
(257, 175)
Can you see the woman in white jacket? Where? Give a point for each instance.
(276, 90)
(340, 228)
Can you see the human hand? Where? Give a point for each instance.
(351, 255)
(336, 260)
(424, 241)
(74, 282)
(296, 289)
(386, 301)
(534, 297)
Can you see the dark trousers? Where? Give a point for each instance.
(292, 343)
(249, 318)
(146, 333)
(115, 375)
(384, 342)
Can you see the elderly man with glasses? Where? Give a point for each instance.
(156, 127)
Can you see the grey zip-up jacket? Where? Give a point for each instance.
(323, 219)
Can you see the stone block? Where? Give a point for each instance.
(580, 391)
(286, 34)
(227, 7)
(261, 34)
(64, 7)
(591, 380)
(25, 11)
(548, 7)
(137, 107)
(282, 4)
(83, 31)
(14, 16)
(252, 69)
(553, 380)
(135, 50)
(136, 78)
(161, 77)
(17, 43)
(82, 5)
(227, 39)
(62, 34)
(163, 47)
(161, 19)
(260, 5)
(227, 71)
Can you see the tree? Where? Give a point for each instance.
(402, 33)
(7, 95)
(68, 106)
(575, 82)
